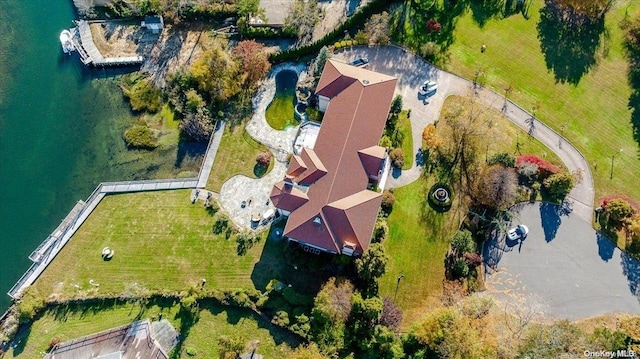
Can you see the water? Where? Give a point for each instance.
(61, 128)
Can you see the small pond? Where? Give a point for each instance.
(279, 113)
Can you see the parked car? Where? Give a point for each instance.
(427, 88)
(518, 233)
(360, 62)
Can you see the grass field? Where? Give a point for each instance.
(69, 322)
(216, 321)
(418, 241)
(161, 242)
(236, 155)
(592, 114)
(404, 126)
(504, 135)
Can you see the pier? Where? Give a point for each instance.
(89, 53)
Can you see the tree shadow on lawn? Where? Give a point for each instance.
(634, 106)
(569, 46)
(237, 315)
(189, 150)
(288, 263)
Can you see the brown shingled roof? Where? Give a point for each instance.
(287, 197)
(340, 208)
(296, 166)
(371, 159)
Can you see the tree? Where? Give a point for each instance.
(331, 309)
(377, 28)
(302, 19)
(197, 125)
(388, 200)
(254, 61)
(263, 159)
(381, 229)
(309, 351)
(397, 157)
(497, 187)
(592, 9)
(429, 138)
(503, 158)
(560, 184)
(462, 242)
(230, 347)
(320, 61)
(248, 7)
(216, 73)
(396, 105)
(618, 209)
(548, 341)
(372, 265)
(433, 26)
(391, 314)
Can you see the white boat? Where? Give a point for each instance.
(65, 41)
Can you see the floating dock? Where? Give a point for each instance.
(89, 53)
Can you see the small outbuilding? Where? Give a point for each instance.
(155, 23)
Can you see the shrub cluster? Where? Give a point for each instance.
(545, 168)
(140, 136)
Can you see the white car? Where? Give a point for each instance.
(427, 88)
(519, 232)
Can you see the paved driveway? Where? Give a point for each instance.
(411, 71)
(563, 268)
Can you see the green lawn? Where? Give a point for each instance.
(161, 242)
(404, 126)
(417, 243)
(505, 136)
(236, 155)
(279, 113)
(68, 322)
(216, 321)
(593, 114)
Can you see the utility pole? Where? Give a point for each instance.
(612, 158)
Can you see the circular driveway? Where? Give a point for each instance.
(563, 268)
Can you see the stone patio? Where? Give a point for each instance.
(255, 192)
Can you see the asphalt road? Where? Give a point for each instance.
(563, 268)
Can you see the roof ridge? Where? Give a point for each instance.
(344, 145)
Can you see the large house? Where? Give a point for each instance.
(326, 191)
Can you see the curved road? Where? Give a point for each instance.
(411, 71)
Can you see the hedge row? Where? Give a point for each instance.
(358, 19)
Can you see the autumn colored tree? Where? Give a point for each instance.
(377, 28)
(433, 26)
(216, 73)
(254, 61)
(497, 187)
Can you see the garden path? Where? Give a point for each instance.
(411, 71)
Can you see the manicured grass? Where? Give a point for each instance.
(404, 126)
(279, 113)
(215, 321)
(72, 321)
(417, 244)
(161, 242)
(593, 114)
(236, 155)
(503, 134)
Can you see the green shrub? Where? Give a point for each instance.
(143, 95)
(560, 184)
(296, 299)
(191, 352)
(140, 136)
(618, 209)
(502, 158)
(388, 200)
(461, 268)
(397, 157)
(281, 319)
(462, 242)
(380, 230)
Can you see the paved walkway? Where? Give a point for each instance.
(412, 71)
(210, 155)
(255, 192)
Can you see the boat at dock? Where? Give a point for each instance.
(66, 41)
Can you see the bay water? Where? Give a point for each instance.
(61, 127)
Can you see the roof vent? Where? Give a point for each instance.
(317, 220)
(366, 82)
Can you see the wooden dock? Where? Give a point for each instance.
(89, 53)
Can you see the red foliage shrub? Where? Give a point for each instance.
(264, 159)
(433, 25)
(634, 204)
(545, 168)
